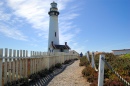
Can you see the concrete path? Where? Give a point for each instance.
(71, 76)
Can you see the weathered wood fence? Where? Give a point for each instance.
(16, 64)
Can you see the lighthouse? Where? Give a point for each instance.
(53, 39)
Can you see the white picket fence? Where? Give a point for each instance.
(16, 64)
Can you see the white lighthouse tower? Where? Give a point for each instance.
(53, 25)
(53, 42)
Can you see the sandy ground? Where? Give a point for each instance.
(71, 76)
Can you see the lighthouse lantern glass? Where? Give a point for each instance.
(54, 5)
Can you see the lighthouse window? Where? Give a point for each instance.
(55, 34)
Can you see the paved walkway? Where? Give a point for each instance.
(71, 76)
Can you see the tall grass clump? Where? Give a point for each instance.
(84, 61)
(120, 64)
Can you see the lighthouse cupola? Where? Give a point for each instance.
(54, 5)
(53, 10)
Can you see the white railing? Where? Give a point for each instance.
(16, 64)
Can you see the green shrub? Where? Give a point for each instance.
(125, 56)
(113, 83)
(51, 69)
(58, 65)
(87, 71)
(84, 62)
(67, 61)
(120, 64)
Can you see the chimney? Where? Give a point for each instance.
(52, 42)
(65, 43)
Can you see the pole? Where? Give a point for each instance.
(1, 65)
(101, 70)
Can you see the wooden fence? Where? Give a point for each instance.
(16, 64)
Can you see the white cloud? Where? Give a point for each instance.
(69, 17)
(66, 26)
(4, 16)
(78, 47)
(12, 33)
(66, 37)
(34, 45)
(35, 12)
(7, 24)
(1, 3)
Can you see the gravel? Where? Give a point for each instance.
(71, 76)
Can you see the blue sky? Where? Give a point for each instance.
(94, 25)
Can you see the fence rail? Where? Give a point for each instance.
(110, 67)
(100, 69)
(16, 64)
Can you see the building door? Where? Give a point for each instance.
(61, 50)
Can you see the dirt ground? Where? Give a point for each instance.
(71, 76)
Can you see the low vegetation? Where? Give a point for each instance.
(67, 61)
(120, 64)
(33, 78)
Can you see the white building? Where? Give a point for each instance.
(120, 52)
(74, 52)
(53, 42)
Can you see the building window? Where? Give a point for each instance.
(55, 34)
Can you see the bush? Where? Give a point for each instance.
(84, 62)
(113, 83)
(90, 74)
(125, 56)
(45, 72)
(67, 61)
(51, 69)
(87, 71)
(76, 59)
(120, 64)
(58, 65)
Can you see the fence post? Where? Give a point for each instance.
(26, 64)
(14, 66)
(17, 65)
(92, 60)
(31, 64)
(10, 65)
(5, 66)
(1, 66)
(88, 56)
(20, 59)
(101, 70)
